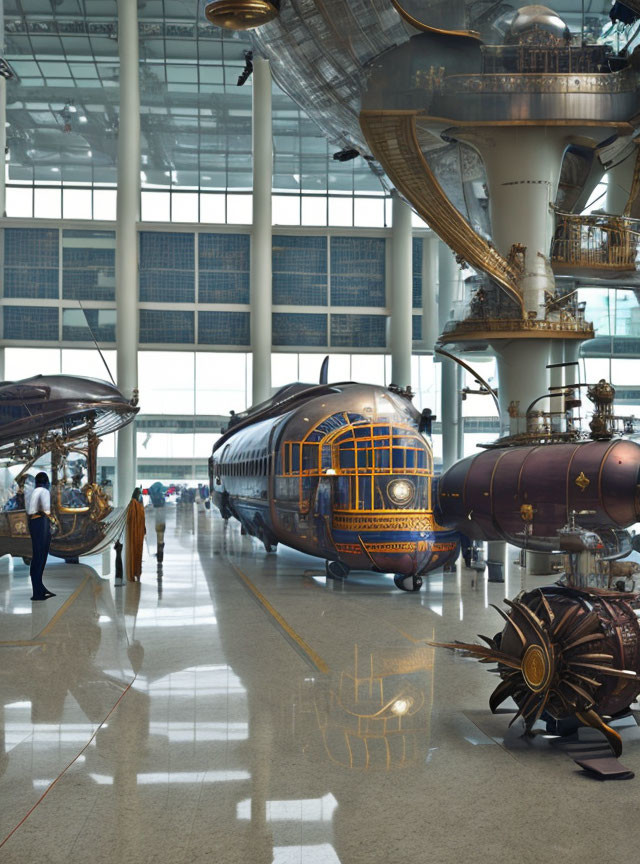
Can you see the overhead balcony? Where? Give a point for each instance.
(488, 315)
(595, 246)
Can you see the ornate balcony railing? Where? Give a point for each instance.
(594, 243)
(544, 59)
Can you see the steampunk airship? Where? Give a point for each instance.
(340, 471)
(58, 416)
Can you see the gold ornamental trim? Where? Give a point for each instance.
(409, 522)
(582, 481)
(519, 328)
(420, 25)
(540, 83)
(240, 14)
(535, 668)
(393, 140)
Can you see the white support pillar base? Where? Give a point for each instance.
(430, 331)
(401, 293)
(450, 419)
(522, 377)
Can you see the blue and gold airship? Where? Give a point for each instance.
(341, 471)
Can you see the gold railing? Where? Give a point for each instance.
(558, 59)
(594, 242)
(393, 139)
(562, 325)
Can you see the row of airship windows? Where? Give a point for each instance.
(246, 467)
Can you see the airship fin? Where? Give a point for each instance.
(324, 371)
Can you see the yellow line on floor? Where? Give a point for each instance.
(21, 643)
(315, 658)
(65, 606)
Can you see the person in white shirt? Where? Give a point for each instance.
(39, 513)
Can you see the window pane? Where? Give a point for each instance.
(212, 208)
(284, 369)
(341, 211)
(20, 202)
(184, 207)
(368, 212)
(286, 209)
(80, 361)
(239, 209)
(166, 382)
(314, 210)
(76, 204)
(26, 362)
(104, 204)
(220, 382)
(48, 203)
(155, 207)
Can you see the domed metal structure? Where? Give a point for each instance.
(537, 25)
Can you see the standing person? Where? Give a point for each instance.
(157, 495)
(136, 529)
(39, 513)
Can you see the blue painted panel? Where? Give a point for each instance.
(166, 250)
(167, 267)
(167, 286)
(223, 328)
(34, 282)
(358, 271)
(299, 289)
(170, 326)
(223, 287)
(32, 323)
(417, 272)
(31, 258)
(358, 331)
(416, 326)
(291, 328)
(31, 247)
(223, 261)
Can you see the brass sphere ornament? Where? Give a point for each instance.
(240, 14)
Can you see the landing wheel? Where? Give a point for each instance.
(408, 583)
(336, 569)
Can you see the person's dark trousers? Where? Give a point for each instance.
(40, 530)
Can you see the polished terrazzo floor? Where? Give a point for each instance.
(236, 707)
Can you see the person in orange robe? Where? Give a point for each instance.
(136, 529)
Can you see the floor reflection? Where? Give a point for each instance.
(197, 728)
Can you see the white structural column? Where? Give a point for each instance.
(401, 292)
(261, 234)
(3, 170)
(449, 281)
(523, 169)
(556, 379)
(128, 213)
(619, 182)
(430, 331)
(3, 125)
